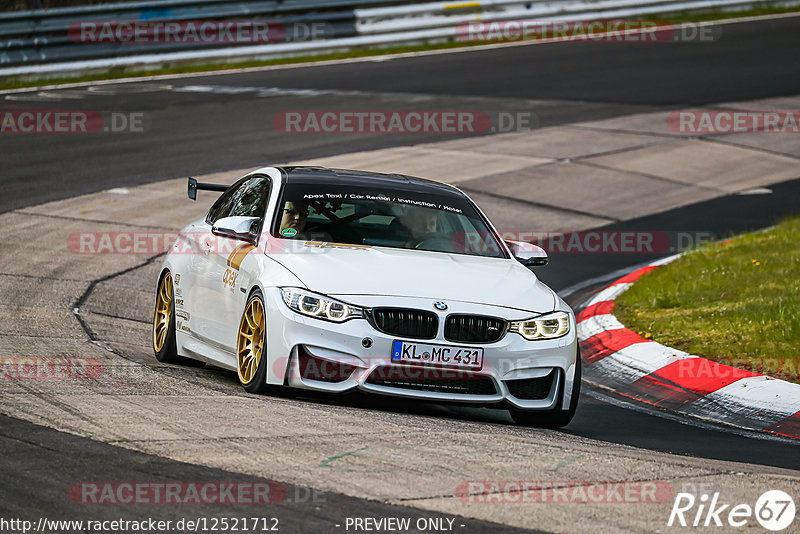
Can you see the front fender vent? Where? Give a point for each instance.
(532, 388)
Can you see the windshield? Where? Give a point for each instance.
(398, 219)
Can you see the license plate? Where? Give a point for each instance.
(439, 355)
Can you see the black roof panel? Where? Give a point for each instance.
(347, 177)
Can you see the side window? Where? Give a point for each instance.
(247, 198)
(250, 200)
(222, 206)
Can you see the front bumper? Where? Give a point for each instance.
(314, 354)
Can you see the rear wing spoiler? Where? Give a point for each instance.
(194, 185)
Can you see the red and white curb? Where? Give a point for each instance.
(619, 359)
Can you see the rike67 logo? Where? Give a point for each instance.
(774, 510)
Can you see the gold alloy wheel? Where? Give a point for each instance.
(250, 345)
(163, 313)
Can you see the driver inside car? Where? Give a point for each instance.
(293, 220)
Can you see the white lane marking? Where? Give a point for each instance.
(63, 95)
(28, 98)
(615, 371)
(668, 259)
(649, 357)
(129, 89)
(755, 191)
(599, 323)
(331, 62)
(219, 89)
(259, 91)
(269, 92)
(757, 394)
(49, 96)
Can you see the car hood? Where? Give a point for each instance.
(413, 273)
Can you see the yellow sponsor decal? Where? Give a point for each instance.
(229, 278)
(234, 262)
(234, 252)
(237, 256)
(462, 6)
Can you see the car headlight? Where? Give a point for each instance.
(319, 306)
(548, 326)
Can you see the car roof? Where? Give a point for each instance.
(354, 178)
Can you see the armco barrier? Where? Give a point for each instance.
(449, 14)
(43, 36)
(38, 43)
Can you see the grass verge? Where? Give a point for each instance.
(134, 72)
(735, 302)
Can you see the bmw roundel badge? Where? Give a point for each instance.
(439, 305)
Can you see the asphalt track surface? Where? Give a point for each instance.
(48, 462)
(200, 132)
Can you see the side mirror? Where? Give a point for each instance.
(240, 228)
(527, 254)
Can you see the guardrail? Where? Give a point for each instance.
(448, 14)
(41, 43)
(44, 36)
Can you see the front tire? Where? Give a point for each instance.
(251, 343)
(553, 418)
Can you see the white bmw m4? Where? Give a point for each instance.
(335, 280)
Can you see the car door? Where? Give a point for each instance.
(218, 275)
